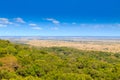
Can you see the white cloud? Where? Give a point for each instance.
(54, 21)
(37, 28)
(3, 25)
(5, 21)
(19, 20)
(33, 25)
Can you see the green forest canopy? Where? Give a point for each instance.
(21, 62)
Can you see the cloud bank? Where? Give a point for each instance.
(54, 21)
(19, 20)
(5, 21)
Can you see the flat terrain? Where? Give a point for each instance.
(102, 45)
(107, 44)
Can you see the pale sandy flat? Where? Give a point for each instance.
(108, 46)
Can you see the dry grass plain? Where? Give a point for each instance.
(98, 45)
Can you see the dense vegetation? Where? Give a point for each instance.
(21, 62)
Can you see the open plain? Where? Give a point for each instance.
(103, 45)
(107, 44)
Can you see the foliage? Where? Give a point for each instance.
(21, 62)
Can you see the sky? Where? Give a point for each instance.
(59, 17)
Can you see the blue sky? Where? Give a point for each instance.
(59, 18)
